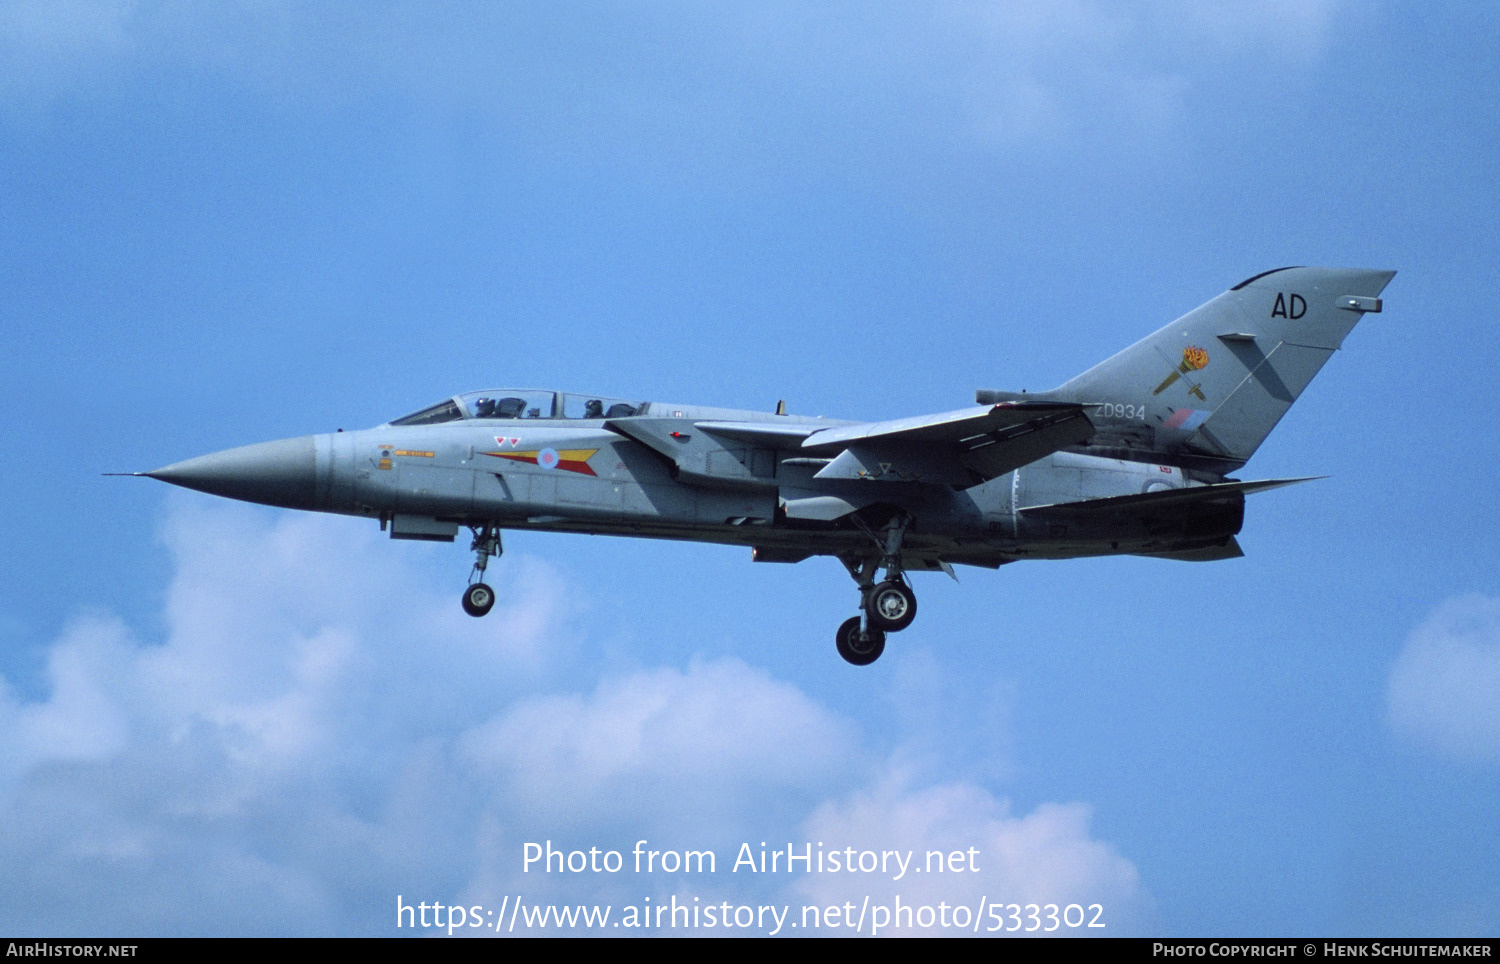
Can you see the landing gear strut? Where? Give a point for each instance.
(889, 606)
(480, 598)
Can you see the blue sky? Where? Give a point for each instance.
(226, 223)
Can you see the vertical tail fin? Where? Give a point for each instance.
(1211, 385)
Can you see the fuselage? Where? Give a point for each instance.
(424, 479)
(1129, 457)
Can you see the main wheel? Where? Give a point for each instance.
(861, 649)
(891, 606)
(478, 599)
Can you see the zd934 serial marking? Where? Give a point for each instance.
(1120, 411)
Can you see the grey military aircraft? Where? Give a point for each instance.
(1131, 457)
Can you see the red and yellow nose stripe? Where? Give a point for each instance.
(569, 460)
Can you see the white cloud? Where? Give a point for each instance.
(1445, 686)
(319, 729)
(82, 720)
(1046, 857)
(279, 755)
(720, 734)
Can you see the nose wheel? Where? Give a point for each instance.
(480, 598)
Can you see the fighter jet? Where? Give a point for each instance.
(1132, 457)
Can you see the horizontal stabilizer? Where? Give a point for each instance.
(1229, 549)
(1165, 498)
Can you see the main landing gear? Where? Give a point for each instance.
(480, 598)
(888, 606)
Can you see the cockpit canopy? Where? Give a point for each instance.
(501, 403)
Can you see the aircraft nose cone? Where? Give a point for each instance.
(282, 473)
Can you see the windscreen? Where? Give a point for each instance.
(444, 411)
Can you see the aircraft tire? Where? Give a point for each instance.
(891, 606)
(478, 599)
(860, 652)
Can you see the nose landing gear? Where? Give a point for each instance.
(480, 598)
